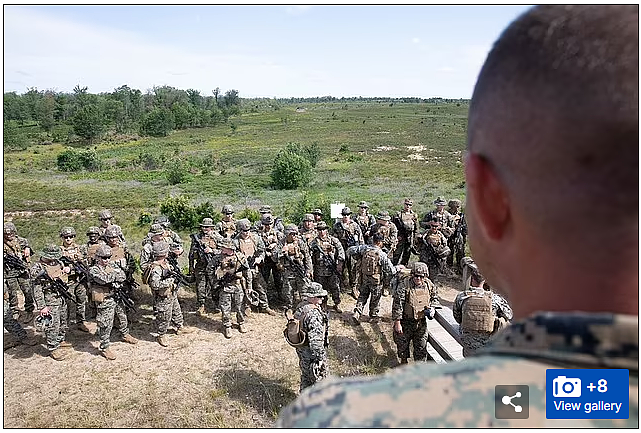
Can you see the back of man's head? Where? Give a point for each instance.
(554, 115)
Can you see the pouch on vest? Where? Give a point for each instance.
(415, 303)
(408, 221)
(370, 264)
(477, 313)
(99, 293)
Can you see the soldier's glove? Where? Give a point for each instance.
(429, 312)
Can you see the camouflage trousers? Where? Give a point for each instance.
(79, 308)
(204, 287)
(11, 325)
(457, 251)
(108, 310)
(310, 370)
(14, 284)
(330, 283)
(371, 288)
(472, 341)
(292, 287)
(232, 301)
(401, 253)
(414, 331)
(168, 311)
(270, 268)
(55, 334)
(257, 283)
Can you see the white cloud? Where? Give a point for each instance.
(416, 40)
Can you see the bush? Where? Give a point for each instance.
(74, 160)
(206, 210)
(60, 133)
(290, 170)
(12, 137)
(176, 172)
(179, 212)
(151, 160)
(159, 122)
(295, 210)
(251, 214)
(311, 152)
(144, 219)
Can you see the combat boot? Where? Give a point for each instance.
(82, 326)
(107, 353)
(162, 340)
(227, 332)
(337, 309)
(27, 317)
(403, 360)
(242, 328)
(127, 338)
(356, 318)
(184, 330)
(374, 319)
(59, 354)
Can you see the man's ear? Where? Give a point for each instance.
(488, 195)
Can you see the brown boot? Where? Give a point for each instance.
(59, 354)
(82, 326)
(28, 341)
(162, 340)
(127, 338)
(242, 328)
(403, 360)
(201, 310)
(64, 344)
(227, 332)
(107, 353)
(184, 330)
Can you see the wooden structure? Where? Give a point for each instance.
(444, 341)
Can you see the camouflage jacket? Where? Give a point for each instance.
(390, 236)
(349, 234)
(400, 295)
(461, 394)
(15, 248)
(253, 244)
(106, 275)
(43, 292)
(500, 307)
(331, 248)
(365, 222)
(314, 324)
(445, 218)
(271, 238)
(386, 266)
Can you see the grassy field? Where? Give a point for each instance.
(378, 152)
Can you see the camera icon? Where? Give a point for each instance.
(566, 387)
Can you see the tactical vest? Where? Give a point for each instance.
(91, 252)
(228, 271)
(98, 291)
(294, 251)
(228, 228)
(477, 313)
(72, 252)
(209, 241)
(371, 264)
(363, 221)
(247, 246)
(416, 299)
(407, 218)
(309, 236)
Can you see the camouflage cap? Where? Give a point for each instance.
(160, 248)
(243, 225)
(420, 269)
(67, 231)
(267, 219)
(346, 211)
(454, 202)
(440, 201)
(93, 230)
(10, 228)
(163, 221)
(408, 201)
(309, 217)
(291, 228)
(207, 222)
(51, 252)
(313, 290)
(113, 231)
(227, 243)
(363, 204)
(105, 214)
(103, 251)
(321, 225)
(227, 209)
(265, 209)
(383, 215)
(317, 212)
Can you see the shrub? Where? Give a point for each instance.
(74, 160)
(206, 210)
(251, 214)
(179, 211)
(144, 219)
(12, 137)
(176, 172)
(158, 122)
(311, 152)
(151, 160)
(290, 170)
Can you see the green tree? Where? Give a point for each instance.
(158, 122)
(88, 122)
(290, 170)
(45, 110)
(12, 137)
(14, 108)
(182, 118)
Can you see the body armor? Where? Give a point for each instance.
(416, 300)
(477, 313)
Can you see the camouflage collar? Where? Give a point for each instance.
(591, 340)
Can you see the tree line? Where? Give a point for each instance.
(63, 117)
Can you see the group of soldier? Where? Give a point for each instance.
(238, 267)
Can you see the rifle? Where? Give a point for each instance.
(79, 268)
(298, 268)
(457, 236)
(15, 262)
(121, 296)
(173, 263)
(201, 250)
(329, 261)
(58, 285)
(129, 281)
(349, 237)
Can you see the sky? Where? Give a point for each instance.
(261, 51)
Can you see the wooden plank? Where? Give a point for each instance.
(432, 353)
(446, 346)
(445, 318)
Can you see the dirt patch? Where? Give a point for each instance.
(200, 380)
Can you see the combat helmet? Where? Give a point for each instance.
(156, 229)
(227, 209)
(105, 214)
(243, 225)
(103, 251)
(346, 211)
(227, 243)
(265, 209)
(291, 229)
(321, 225)
(309, 217)
(267, 219)
(420, 269)
(160, 249)
(93, 230)
(454, 202)
(67, 231)
(440, 201)
(113, 231)
(51, 252)
(317, 212)
(363, 204)
(163, 221)
(408, 201)
(10, 228)
(207, 222)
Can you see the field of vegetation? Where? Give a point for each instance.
(377, 151)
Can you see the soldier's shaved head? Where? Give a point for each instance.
(553, 144)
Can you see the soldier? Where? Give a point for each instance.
(414, 303)
(307, 229)
(278, 221)
(13, 327)
(106, 280)
(328, 258)
(48, 274)
(229, 274)
(441, 215)
(74, 256)
(170, 236)
(390, 239)
(271, 238)
(457, 241)
(295, 264)
(318, 215)
(17, 256)
(374, 267)
(349, 234)
(253, 248)
(204, 246)
(105, 217)
(433, 249)
(162, 282)
(553, 134)
(93, 242)
(156, 234)
(314, 322)
(406, 222)
(480, 312)
(364, 220)
(121, 258)
(226, 228)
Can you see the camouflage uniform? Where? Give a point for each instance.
(471, 337)
(253, 248)
(93, 243)
(461, 394)
(278, 221)
(10, 324)
(226, 228)
(390, 239)
(413, 323)
(166, 303)
(435, 259)
(198, 261)
(308, 234)
(313, 355)
(364, 220)
(321, 249)
(406, 223)
(271, 238)
(105, 217)
(457, 241)
(76, 253)
(296, 265)
(14, 278)
(374, 267)
(349, 234)
(440, 215)
(229, 272)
